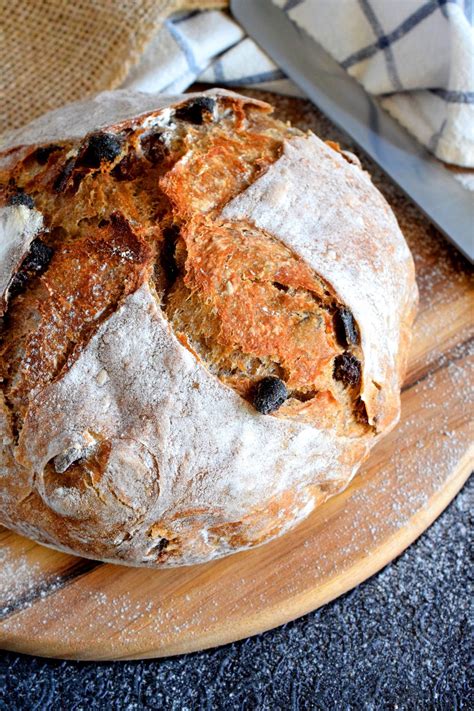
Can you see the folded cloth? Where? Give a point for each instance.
(185, 46)
(208, 46)
(417, 55)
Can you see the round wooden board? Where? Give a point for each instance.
(54, 604)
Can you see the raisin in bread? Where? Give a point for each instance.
(205, 322)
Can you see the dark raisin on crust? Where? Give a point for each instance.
(162, 545)
(42, 153)
(194, 111)
(270, 394)
(345, 327)
(34, 264)
(100, 148)
(61, 180)
(347, 369)
(153, 147)
(167, 257)
(21, 198)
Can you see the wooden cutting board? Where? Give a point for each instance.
(57, 605)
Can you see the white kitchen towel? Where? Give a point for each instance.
(416, 55)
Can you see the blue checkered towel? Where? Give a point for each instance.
(417, 55)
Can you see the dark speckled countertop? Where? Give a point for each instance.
(401, 640)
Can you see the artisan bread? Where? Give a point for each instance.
(206, 318)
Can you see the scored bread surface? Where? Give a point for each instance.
(164, 260)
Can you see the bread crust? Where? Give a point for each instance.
(158, 459)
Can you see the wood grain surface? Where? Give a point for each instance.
(54, 604)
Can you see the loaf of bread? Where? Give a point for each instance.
(205, 322)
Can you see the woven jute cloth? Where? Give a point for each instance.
(56, 51)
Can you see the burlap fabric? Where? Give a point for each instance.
(56, 51)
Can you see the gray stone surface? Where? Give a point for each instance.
(402, 640)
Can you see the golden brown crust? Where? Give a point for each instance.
(83, 284)
(135, 223)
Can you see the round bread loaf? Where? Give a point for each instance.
(206, 318)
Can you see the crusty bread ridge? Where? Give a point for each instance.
(206, 319)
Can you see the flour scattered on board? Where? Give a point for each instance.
(17, 576)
